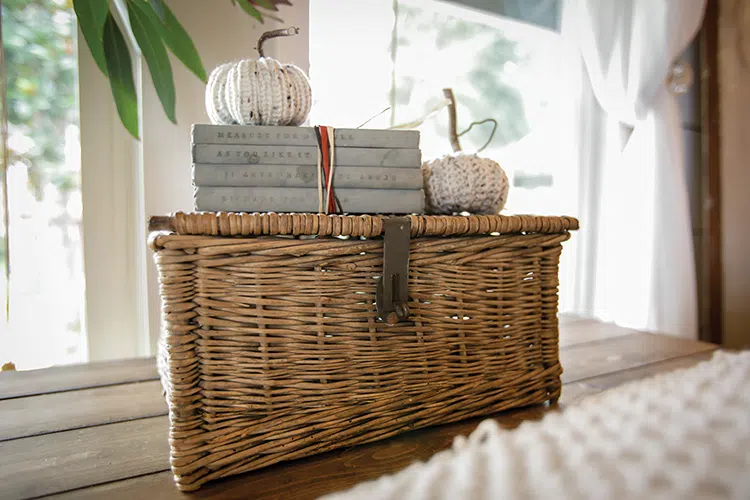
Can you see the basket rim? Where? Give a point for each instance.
(368, 226)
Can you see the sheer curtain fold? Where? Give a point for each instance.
(636, 265)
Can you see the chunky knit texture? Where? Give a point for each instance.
(216, 105)
(679, 435)
(464, 183)
(258, 92)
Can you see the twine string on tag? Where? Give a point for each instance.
(328, 202)
(419, 121)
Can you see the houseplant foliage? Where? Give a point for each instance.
(156, 31)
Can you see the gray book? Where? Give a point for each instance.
(269, 199)
(302, 136)
(305, 176)
(304, 155)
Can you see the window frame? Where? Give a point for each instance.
(114, 240)
(124, 180)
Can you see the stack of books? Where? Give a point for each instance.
(242, 168)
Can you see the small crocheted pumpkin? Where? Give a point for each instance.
(259, 92)
(463, 182)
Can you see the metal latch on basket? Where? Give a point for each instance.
(392, 292)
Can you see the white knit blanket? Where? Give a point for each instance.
(678, 435)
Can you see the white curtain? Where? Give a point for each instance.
(635, 263)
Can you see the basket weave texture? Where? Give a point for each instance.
(271, 350)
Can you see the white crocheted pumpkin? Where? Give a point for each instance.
(462, 182)
(259, 91)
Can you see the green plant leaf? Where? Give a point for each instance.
(145, 26)
(119, 66)
(276, 3)
(181, 45)
(265, 4)
(158, 6)
(92, 15)
(250, 9)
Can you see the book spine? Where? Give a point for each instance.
(304, 155)
(305, 176)
(302, 136)
(248, 199)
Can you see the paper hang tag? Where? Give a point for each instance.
(412, 124)
(416, 123)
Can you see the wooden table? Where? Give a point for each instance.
(100, 430)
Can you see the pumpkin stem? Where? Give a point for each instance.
(492, 134)
(452, 134)
(291, 31)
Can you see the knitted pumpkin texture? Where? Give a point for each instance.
(258, 92)
(464, 183)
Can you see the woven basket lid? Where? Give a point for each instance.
(272, 224)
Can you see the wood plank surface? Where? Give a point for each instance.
(73, 377)
(41, 465)
(569, 319)
(68, 460)
(575, 392)
(35, 415)
(302, 479)
(73, 409)
(67, 378)
(583, 330)
(129, 458)
(624, 352)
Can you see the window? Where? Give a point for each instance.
(400, 55)
(367, 57)
(43, 324)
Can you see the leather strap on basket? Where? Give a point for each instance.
(392, 294)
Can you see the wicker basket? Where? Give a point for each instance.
(272, 350)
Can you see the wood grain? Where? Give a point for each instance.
(624, 352)
(575, 331)
(41, 465)
(73, 409)
(67, 378)
(575, 392)
(569, 319)
(301, 479)
(711, 270)
(35, 415)
(600, 364)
